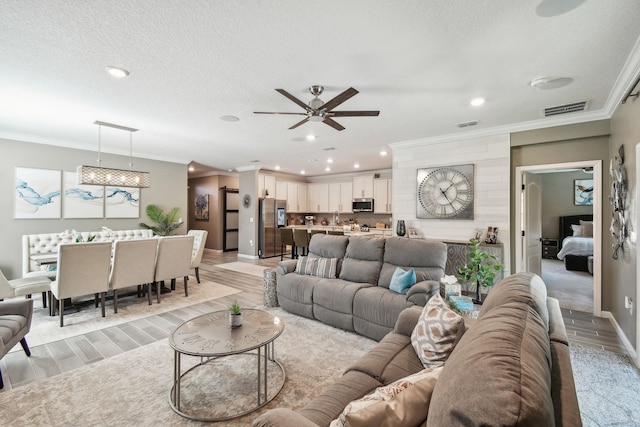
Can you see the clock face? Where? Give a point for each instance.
(445, 192)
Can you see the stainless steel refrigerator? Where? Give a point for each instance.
(272, 216)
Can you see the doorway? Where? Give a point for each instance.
(574, 288)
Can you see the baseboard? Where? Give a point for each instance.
(248, 256)
(625, 341)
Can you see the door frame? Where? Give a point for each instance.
(597, 220)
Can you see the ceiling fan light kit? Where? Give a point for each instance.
(319, 111)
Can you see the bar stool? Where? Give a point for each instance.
(301, 240)
(286, 239)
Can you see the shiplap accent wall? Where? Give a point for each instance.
(489, 154)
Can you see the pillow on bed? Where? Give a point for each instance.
(577, 230)
(587, 228)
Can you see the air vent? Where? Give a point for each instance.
(254, 161)
(467, 124)
(566, 109)
(328, 149)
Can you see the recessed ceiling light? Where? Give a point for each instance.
(329, 160)
(476, 102)
(117, 72)
(356, 165)
(547, 83)
(191, 168)
(327, 169)
(229, 118)
(302, 172)
(311, 137)
(277, 167)
(383, 153)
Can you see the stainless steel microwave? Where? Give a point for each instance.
(362, 205)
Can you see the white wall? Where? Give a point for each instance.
(489, 154)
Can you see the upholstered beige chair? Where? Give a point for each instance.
(15, 322)
(173, 261)
(25, 287)
(301, 239)
(199, 241)
(133, 265)
(83, 269)
(286, 239)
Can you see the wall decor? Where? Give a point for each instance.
(492, 235)
(122, 202)
(81, 201)
(38, 193)
(202, 207)
(583, 192)
(445, 192)
(618, 198)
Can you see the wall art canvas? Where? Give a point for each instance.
(38, 193)
(202, 207)
(81, 201)
(583, 192)
(122, 202)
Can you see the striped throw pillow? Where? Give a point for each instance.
(321, 267)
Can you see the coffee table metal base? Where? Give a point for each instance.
(264, 355)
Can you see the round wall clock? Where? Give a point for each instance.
(445, 192)
(246, 201)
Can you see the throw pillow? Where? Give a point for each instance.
(437, 332)
(577, 230)
(321, 267)
(587, 228)
(373, 408)
(402, 280)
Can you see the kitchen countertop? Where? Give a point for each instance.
(382, 231)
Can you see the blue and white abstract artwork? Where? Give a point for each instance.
(122, 202)
(583, 192)
(81, 201)
(38, 193)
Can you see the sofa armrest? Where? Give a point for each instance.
(407, 320)
(282, 417)
(287, 266)
(421, 292)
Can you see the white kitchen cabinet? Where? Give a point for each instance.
(266, 186)
(303, 205)
(382, 196)
(363, 186)
(318, 197)
(281, 190)
(292, 197)
(340, 196)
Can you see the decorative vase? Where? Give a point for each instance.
(235, 320)
(478, 299)
(400, 228)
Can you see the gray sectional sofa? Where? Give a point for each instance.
(359, 299)
(510, 368)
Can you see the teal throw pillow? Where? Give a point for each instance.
(402, 280)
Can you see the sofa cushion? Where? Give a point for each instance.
(295, 293)
(377, 306)
(436, 333)
(507, 353)
(402, 280)
(427, 257)
(320, 267)
(363, 260)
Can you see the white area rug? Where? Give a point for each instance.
(243, 267)
(46, 329)
(573, 289)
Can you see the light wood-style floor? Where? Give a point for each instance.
(64, 355)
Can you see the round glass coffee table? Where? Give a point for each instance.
(220, 385)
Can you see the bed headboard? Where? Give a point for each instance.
(567, 221)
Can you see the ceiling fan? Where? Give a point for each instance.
(319, 111)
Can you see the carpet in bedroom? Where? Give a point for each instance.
(574, 289)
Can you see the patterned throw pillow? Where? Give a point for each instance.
(436, 333)
(321, 267)
(402, 280)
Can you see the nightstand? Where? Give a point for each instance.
(549, 248)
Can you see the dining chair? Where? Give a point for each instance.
(15, 323)
(286, 239)
(25, 287)
(199, 241)
(301, 240)
(173, 261)
(133, 265)
(83, 269)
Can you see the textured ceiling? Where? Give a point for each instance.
(417, 61)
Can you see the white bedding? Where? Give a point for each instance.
(581, 246)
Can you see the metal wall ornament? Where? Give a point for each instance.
(618, 199)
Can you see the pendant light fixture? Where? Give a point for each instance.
(97, 175)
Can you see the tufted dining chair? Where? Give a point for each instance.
(25, 287)
(173, 261)
(15, 322)
(301, 239)
(83, 269)
(199, 241)
(133, 265)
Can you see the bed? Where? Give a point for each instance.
(576, 250)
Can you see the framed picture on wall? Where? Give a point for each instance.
(122, 202)
(38, 193)
(583, 192)
(202, 207)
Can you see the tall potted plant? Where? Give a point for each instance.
(166, 223)
(481, 269)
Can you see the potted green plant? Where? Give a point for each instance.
(235, 315)
(166, 223)
(481, 269)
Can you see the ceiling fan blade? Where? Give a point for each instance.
(272, 112)
(301, 122)
(333, 103)
(292, 98)
(333, 123)
(353, 113)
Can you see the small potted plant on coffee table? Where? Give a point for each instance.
(481, 269)
(235, 315)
